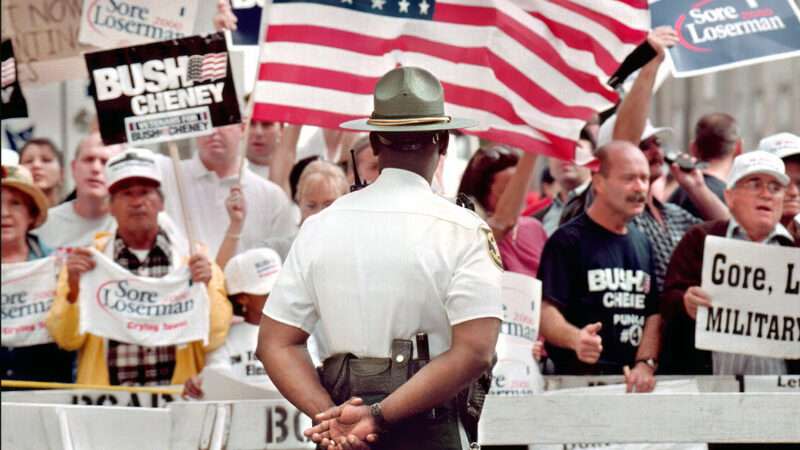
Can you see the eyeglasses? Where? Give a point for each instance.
(649, 143)
(756, 185)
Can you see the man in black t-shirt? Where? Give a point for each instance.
(599, 312)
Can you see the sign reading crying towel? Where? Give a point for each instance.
(163, 91)
(142, 310)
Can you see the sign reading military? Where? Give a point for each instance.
(163, 91)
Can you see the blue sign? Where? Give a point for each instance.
(723, 34)
(248, 15)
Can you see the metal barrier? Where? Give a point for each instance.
(726, 417)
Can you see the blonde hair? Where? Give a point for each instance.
(332, 173)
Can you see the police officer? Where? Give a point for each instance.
(375, 271)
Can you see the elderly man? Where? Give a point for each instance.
(421, 272)
(141, 246)
(599, 313)
(755, 194)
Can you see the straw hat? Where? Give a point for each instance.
(19, 178)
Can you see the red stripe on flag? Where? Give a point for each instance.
(623, 32)
(505, 72)
(303, 116)
(480, 16)
(580, 40)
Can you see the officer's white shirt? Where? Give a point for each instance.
(387, 262)
(268, 213)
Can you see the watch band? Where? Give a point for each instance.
(652, 363)
(377, 414)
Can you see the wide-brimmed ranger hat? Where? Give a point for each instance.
(19, 178)
(408, 99)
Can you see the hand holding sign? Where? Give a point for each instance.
(589, 345)
(200, 268)
(224, 19)
(640, 379)
(660, 39)
(79, 261)
(693, 298)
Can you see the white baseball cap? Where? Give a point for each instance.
(10, 157)
(253, 272)
(757, 161)
(132, 163)
(606, 132)
(781, 144)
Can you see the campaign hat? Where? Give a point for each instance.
(19, 178)
(606, 132)
(757, 161)
(781, 145)
(132, 163)
(253, 272)
(408, 99)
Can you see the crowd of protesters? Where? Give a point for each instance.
(632, 230)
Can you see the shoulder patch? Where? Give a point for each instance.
(491, 247)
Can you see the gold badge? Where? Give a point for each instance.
(491, 245)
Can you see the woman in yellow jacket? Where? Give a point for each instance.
(63, 322)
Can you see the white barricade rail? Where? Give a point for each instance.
(28, 426)
(88, 397)
(719, 413)
(625, 418)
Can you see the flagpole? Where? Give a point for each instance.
(187, 219)
(262, 32)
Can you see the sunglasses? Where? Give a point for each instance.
(651, 142)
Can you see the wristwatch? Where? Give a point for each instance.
(377, 415)
(650, 362)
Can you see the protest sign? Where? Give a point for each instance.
(724, 34)
(27, 293)
(120, 23)
(142, 310)
(772, 383)
(755, 297)
(163, 91)
(248, 21)
(14, 104)
(45, 36)
(516, 373)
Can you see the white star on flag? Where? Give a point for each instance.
(423, 7)
(403, 4)
(349, 2)
(378, 4)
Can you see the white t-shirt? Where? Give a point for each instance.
(267, 206)
(65, 228)
(387, 262)
(259, 169)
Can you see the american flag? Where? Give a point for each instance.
(530, 71)
(9, 72)
(211, 66)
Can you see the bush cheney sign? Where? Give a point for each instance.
(755, 296)
(142, 310)
(163, 91)
(27, 294)
(723, 34)
(116, 23)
